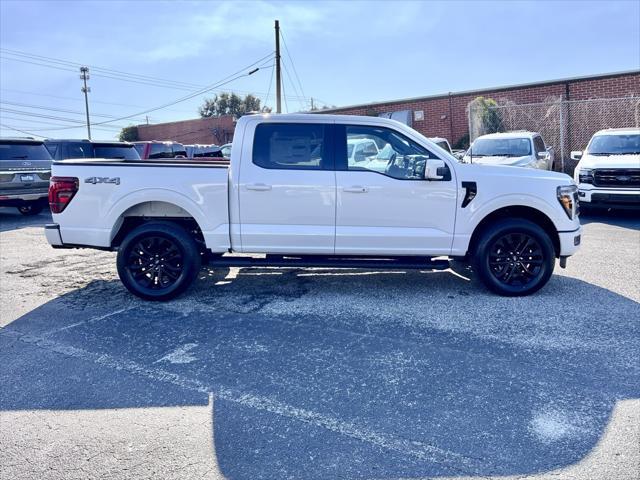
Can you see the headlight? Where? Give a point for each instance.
(568, 198)
(585, 175)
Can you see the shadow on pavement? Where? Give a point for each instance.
(620, 218)
(12, 219)
(344, 374)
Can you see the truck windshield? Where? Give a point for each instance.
(615, 145)
(23, 151)
(501, 147)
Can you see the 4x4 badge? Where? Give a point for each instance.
(95, 180)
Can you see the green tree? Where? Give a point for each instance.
(129, 134)
(487, 108)
(230, 104)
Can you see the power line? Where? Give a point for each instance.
(293, 66)
(62, 110)
(284, 96)
(50, 117)
(109, 71)
(295, 89)
(270, 83)
(70, 66)
(231, 78)
(129, 105)
(21, 131)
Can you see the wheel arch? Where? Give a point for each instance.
(516, 211)
(130, 214)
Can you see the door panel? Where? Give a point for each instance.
(393, 217)
(287, 193)
(384, 206)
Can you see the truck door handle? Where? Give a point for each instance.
(356, 189)
(260, 187)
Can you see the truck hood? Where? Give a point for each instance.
(509, 161)
(507, 171)
(609, 161)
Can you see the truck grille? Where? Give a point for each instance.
(618, 177)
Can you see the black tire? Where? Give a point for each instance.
(514, 257)
(31, 208)
(158, 261)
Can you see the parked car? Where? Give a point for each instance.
(154, 150)
(63, 149)
(516, 149)
(226, 150)
(25, 169)
(608, 171)
(362, 149)
(203, 151)
(292, 192)
(442, 143)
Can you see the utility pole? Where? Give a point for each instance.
(278, 86)
(311, 103)
(84, 76)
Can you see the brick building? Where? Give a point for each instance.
(446, 115)
(442, 115)
(212, 130)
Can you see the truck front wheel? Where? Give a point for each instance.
(514, 257)
(158, 261)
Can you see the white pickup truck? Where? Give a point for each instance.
(294, 197)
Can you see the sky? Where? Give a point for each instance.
(148, 54)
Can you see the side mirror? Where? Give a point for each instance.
(544, 155)
(576, 155)
(434, 169)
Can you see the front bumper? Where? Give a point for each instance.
(570, 242)
(609, 197)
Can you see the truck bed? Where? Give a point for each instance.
(108, 194)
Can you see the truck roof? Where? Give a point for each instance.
(619, 131)
(514, 134)
(20, 140)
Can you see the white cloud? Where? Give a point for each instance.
(230, 27)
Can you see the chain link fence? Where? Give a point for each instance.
(564, 125)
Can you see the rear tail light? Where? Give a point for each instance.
(61, 191)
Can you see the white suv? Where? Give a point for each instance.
(515, 149)
(608, 171)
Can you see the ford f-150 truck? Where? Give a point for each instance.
(294, 197)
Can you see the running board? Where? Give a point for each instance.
(304, 261)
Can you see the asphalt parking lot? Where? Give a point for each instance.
(267, 373)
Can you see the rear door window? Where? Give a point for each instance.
(291, 146)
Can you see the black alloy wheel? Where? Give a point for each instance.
(155, 262)
(514, 257)
(158, 261)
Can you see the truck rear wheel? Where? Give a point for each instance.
(514, 257)
(158, 261)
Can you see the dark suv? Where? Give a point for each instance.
(25, 169)
(63, 149)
